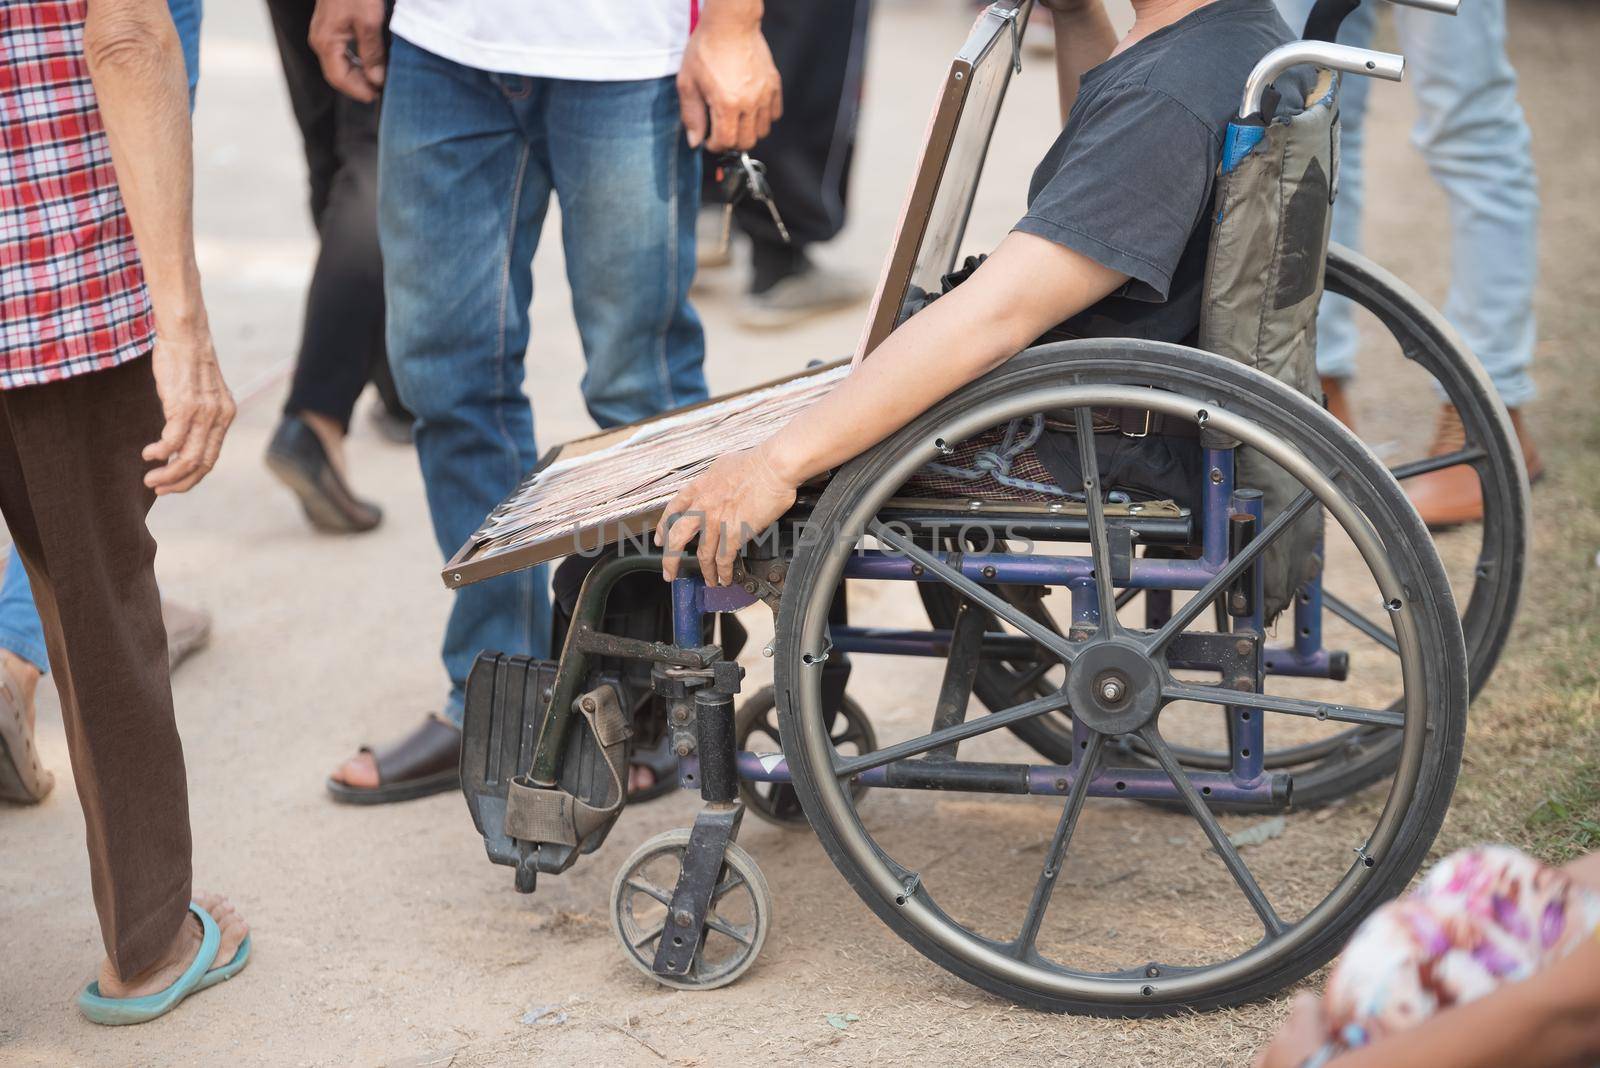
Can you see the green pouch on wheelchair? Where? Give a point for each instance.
(1264, 272)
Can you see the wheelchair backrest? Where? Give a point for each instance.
(1269, 242)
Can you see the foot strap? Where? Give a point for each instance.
(552, 814)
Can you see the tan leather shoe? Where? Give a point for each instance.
(1337, 401)
(1453, 496)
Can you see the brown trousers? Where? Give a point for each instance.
(73, 497)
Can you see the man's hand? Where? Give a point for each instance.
(728, 69)
(198, 408)
(347, 36)
(735, 499)
(1301, 1035)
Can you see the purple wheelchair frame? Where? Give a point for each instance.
(1241, 655)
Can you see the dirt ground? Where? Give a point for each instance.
(384, 937)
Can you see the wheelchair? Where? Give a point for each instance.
(1215, 499)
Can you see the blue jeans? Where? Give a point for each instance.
(468, 161)
(20, 630)
(1471, 131)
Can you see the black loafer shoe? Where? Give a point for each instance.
(297, 457)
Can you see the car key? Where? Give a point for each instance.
(756, 179)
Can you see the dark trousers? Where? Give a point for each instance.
(819, 47)
(342, 347)
(72, 495)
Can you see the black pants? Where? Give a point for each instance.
(342, 347)
(820, 48)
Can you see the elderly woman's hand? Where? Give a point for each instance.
(732, 501)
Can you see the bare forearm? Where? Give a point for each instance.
(736, 12)
(1551, 1020)
(1084, 40)
(136, 62)
(1026, 287)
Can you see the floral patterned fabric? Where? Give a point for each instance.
(1482, 918)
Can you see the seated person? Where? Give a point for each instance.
(1113, 244)
(1494, 960)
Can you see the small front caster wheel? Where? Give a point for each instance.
(736, 922)
(755, 728)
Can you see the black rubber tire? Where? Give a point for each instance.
(1366, 484)
(767, 801)
(1357, 758)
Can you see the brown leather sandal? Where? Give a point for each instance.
(425, 762)
(23, 779)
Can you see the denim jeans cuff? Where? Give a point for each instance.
(27, 649)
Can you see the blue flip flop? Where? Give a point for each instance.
(223, 972)
(116, 1011)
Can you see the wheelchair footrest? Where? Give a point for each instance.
(535, 827)
(506, 702)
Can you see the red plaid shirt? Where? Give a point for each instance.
(72, 294)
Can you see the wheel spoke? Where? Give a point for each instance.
(735, 880)
(1219, 839)
(1366, 626)
(1058, 847)
(1224, 578)
(1125, 598)
(960, 732)
(785, 802)
(1099, 543)
(721, 926)
(649, 936)
(975, 592)
(650, 889)
(1426, 466)
(1294, 706)
(1031, 677)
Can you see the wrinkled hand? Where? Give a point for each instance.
(198, 408)
(340, 28)
(1301, 1035)
(728, 69)
(732, 501)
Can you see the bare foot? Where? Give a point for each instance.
(360, 771)
(331, 435)
(26, 676)
(181, 953)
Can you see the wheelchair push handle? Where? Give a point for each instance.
(1439, 7)
(1350, 60)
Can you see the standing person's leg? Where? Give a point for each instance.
(1337, 337)
(23, 779)
(628, 185)
(1475, 138)
(344, 318)
(463, 195)
(73, 496)
(820, 51)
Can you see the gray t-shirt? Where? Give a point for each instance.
(1129, 181)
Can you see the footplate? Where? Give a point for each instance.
(713, 829)
(506, 703)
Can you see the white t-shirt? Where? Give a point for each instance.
(586, 40)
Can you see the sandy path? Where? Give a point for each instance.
(384, 937)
